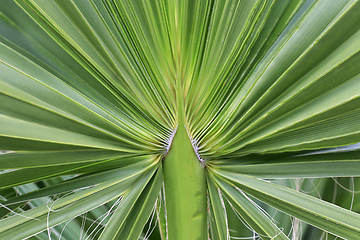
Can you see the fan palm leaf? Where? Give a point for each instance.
(130, 112)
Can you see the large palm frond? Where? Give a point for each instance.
(181, 109)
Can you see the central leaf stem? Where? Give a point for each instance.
(185, 190)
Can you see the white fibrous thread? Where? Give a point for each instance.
(196, 148)
(193, 143)
(169, 141)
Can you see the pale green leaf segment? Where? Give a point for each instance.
(111, 102)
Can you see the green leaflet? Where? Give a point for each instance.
(298, 166)
(87, 199)
(250, 212)
(218, 219)
(84, 181)
(319, 213)
(130, 217)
